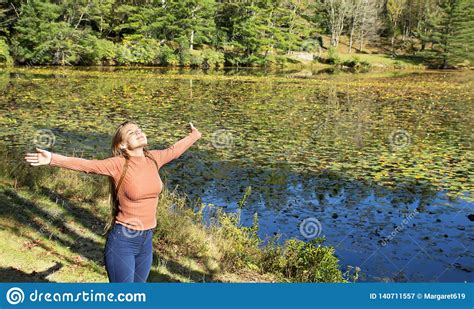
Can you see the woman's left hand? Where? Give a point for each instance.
(193, 129)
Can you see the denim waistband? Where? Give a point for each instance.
(133, 230)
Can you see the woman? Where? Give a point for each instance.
(135, 186)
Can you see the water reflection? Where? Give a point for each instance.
(414, 234)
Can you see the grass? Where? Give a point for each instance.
(51, 222)
(377, 56)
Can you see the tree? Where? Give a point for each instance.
(427, 10)
(336, 12)
(369, 21)
(194, 20)
(355, 18)
(395, 10)
(462, 40)
(453, 34)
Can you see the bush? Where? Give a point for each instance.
(243, 250)
(354, 61)
(184, 57)
(184, 53)
(270, 60)
(137, 51)
(357, 64)
(299, 261)
(365, 66)
(166, 56)
(234, 58)
(105, 52)
(97, 51)
(212, 57)
(5, 58)
(281, 59)
(123, 56)
(333, 56)
(144, 51)
(255, 60)
(173, 60)
(196, 58)
(464, 64)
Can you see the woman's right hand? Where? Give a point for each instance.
(40, 157)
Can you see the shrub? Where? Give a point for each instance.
(255, 60)
(196, 58)
(138, 51)
(105, 51)
(123, 56)
(357, 64)
(97, 51)
(299, 261)
(5, 58)
(212, 57)
(166, 56)
(145, 51)
(354, 61)
(184, 57)
(465, 64)
(270, 60)
(281, 59)
(173, 60)
(333, 56)
(184, 53)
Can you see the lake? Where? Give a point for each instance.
(379, 164)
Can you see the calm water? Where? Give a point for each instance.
(381, 165)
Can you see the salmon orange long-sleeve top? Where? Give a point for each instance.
(141, 186)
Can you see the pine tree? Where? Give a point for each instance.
(453, 34)
(462, 39)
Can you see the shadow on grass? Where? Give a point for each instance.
(28, 213)
(177, 269)
(11, 274)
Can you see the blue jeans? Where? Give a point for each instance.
(128, 254)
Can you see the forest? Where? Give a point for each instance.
(231, 33)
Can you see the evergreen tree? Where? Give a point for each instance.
(453, 34)
(462, 40)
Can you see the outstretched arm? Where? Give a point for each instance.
(163, 156)
(109, 167)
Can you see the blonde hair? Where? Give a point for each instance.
(116, 151)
